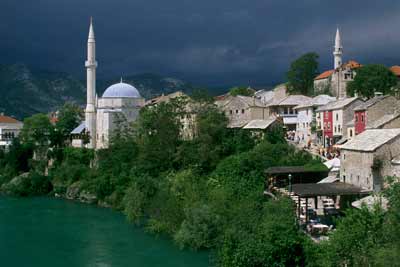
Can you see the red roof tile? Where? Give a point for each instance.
(7, 119)
(395, 70)
(352, 64)
(324, 75)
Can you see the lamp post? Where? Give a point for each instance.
(290, 182)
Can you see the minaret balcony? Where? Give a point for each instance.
(90, 64)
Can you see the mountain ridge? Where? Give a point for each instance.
(25, 91)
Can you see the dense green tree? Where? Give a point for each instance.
(241, 90)
(356, 237)
(158, 135)
(276, 135)
(268, 239)
(37, 130)
(201, 96)
(372, 78)
(302, 73)
(69, 117)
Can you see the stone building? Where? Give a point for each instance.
(387, 121)
(369, 157)
(285, 108)
(118, 106)
(279, 92)
(334, 118)
(335, 80)
(240, 110)
(306, 118)
(9, 129)
(188, 119)
(372, 110)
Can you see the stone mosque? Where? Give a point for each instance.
(120, 102)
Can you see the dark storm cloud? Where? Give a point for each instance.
(208, 41)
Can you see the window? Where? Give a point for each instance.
(242, 111)
(231, 112)
(356, 117)
(351, 133)
(335, 129)
(307, 112)
(237, 111)
(337, 116)
(362, 118)
(329, 125)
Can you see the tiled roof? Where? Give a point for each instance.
(291, 100)
(251, 101)
(352, 64)
(382, 121)
(260, 124)
(7, 119)
(395, 70)
(318, 100)
(338, 104)
(165, 98)
(370, 103)
(370, 140)
(350, 123)
(324, 75)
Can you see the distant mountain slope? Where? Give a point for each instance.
(149, 85)
(24, 92)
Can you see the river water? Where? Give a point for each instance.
(53, 232)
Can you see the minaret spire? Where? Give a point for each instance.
(338, 51)
(91, 65)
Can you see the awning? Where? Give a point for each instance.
(329, 179)
(259, 124)
(290, 120)
(80, 129)
(326, 189)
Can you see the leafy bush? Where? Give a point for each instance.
(200, 228)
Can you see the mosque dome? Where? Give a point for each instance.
(121, 90)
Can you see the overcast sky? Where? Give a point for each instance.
(209, 42)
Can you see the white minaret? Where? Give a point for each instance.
(338, 52)
(91, 65)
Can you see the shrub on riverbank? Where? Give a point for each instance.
(205, 193)
(28, 184)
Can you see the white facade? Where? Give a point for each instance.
(304, 123)
(337, 117)
(117, 108)
(9, 129)
(91, 65)
(338, 52)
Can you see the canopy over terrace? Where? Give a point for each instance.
(324, 189)
(279, 176)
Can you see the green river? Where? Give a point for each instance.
(53, 232)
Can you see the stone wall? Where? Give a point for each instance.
(356, 166)
(386, 106)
